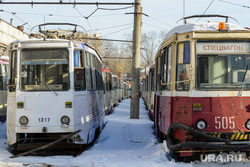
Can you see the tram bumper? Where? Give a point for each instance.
(207, 141)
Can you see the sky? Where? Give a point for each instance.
(124, 142)
(159, 15)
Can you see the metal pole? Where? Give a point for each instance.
(134, 107)
(184, 11)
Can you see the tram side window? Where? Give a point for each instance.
(158, 84)
(162, 70)
(166, 67)
(99, 76)
(88, 72)
(93, 66)
(183, 60)
(152, 80)
(110, 81)
(13, 74)
(114, 83)
(105, 81)
(4, 72)
(3, 77)
(79, 71)
(97, 72)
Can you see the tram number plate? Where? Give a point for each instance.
(43, 119)
(224, 123)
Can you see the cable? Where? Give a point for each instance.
(50, 14)
(154, 26)
(205, 10)
(82, 16)
(90, 26)
(234, 4)
(117, 8)
(118, 31)
(114, 26)
(14, 14)
(160, 21)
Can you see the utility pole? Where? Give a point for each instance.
(134, 107)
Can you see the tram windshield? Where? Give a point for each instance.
(218, 70)
(44, 69)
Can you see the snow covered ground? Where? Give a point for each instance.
(122, 143)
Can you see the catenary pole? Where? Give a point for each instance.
(134, 107)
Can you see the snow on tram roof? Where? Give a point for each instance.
(207, 26)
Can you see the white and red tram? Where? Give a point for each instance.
(203, 86)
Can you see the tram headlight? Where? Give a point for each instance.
(23, 120)
(68, 104)
(201, 125)
(248, 124)
(19, 104)
(65, 120)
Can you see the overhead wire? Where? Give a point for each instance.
(160, 21)
(98, 8)
(206, 10)
(154, 26)
(14, 14)
(244, 6)
(116, 8)
(82, 16)
(50, 14)
(91, 15)
(55, 15)
(114, 27)
(117, 31)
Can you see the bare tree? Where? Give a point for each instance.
(150, 44)
(122, 67)
(114, 58)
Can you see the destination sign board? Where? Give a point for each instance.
(219, 48)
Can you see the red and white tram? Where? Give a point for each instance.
(149, 91)
(202, 98)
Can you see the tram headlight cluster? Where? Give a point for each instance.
(197, 107)
(23, 120)
(201, 125)
(65, 120)
(248, 124)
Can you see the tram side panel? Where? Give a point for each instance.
(11, 118)
(4, 63)
(82, 115)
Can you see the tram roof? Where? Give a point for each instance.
(202, 27)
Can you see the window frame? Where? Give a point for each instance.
(183, 84)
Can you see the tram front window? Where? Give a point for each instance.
(44, 69)
(223, 72)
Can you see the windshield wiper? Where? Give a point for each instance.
(37, 79)
(244, 80)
